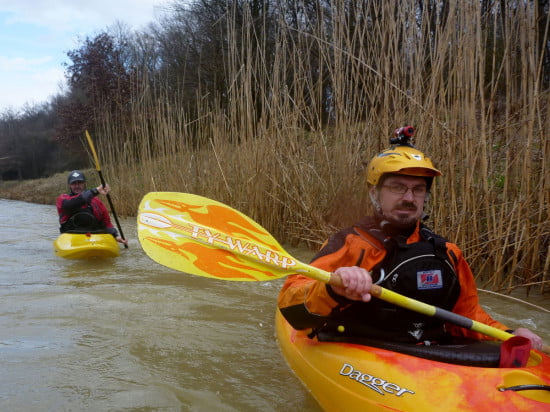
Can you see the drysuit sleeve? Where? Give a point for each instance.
(306, 302)
(71, 203)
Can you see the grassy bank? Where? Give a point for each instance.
(42, 191)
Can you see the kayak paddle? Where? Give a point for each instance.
(204, 237)
(98, 168)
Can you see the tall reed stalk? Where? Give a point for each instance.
(480, 111)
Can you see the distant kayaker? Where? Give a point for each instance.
(394, 249)
(82, 211)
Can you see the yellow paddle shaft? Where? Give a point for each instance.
(94, 153)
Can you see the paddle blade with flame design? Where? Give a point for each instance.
(203, 237)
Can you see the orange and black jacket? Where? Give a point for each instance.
(308, 303)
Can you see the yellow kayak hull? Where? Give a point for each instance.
(351, 377)
(86, 246)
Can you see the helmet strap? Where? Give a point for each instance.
(374, 199)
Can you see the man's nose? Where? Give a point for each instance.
(408, 195)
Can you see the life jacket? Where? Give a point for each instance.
(420, 270)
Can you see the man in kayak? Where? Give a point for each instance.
(394, 249)
(81, 209)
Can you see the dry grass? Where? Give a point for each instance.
(481, 118)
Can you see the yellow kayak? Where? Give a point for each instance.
(351, 377)
(85, 246)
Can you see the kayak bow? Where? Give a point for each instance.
(351, 377)
(86, 245)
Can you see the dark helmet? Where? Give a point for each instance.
(75, 176)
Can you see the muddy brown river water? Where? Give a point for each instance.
(129, 334)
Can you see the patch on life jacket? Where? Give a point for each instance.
(429, 279)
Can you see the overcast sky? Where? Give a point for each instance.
(35, 36)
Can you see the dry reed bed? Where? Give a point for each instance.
(483, 120)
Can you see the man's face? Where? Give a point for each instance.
(78, 186)
(401, 199)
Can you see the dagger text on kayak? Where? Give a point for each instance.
(377, 384)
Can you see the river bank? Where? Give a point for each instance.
(42, 191)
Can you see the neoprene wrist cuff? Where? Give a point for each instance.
(95, 191)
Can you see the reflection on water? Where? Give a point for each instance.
(127, 333)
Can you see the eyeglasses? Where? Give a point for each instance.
(399, 189)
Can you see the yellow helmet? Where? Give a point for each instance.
(402, 159)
